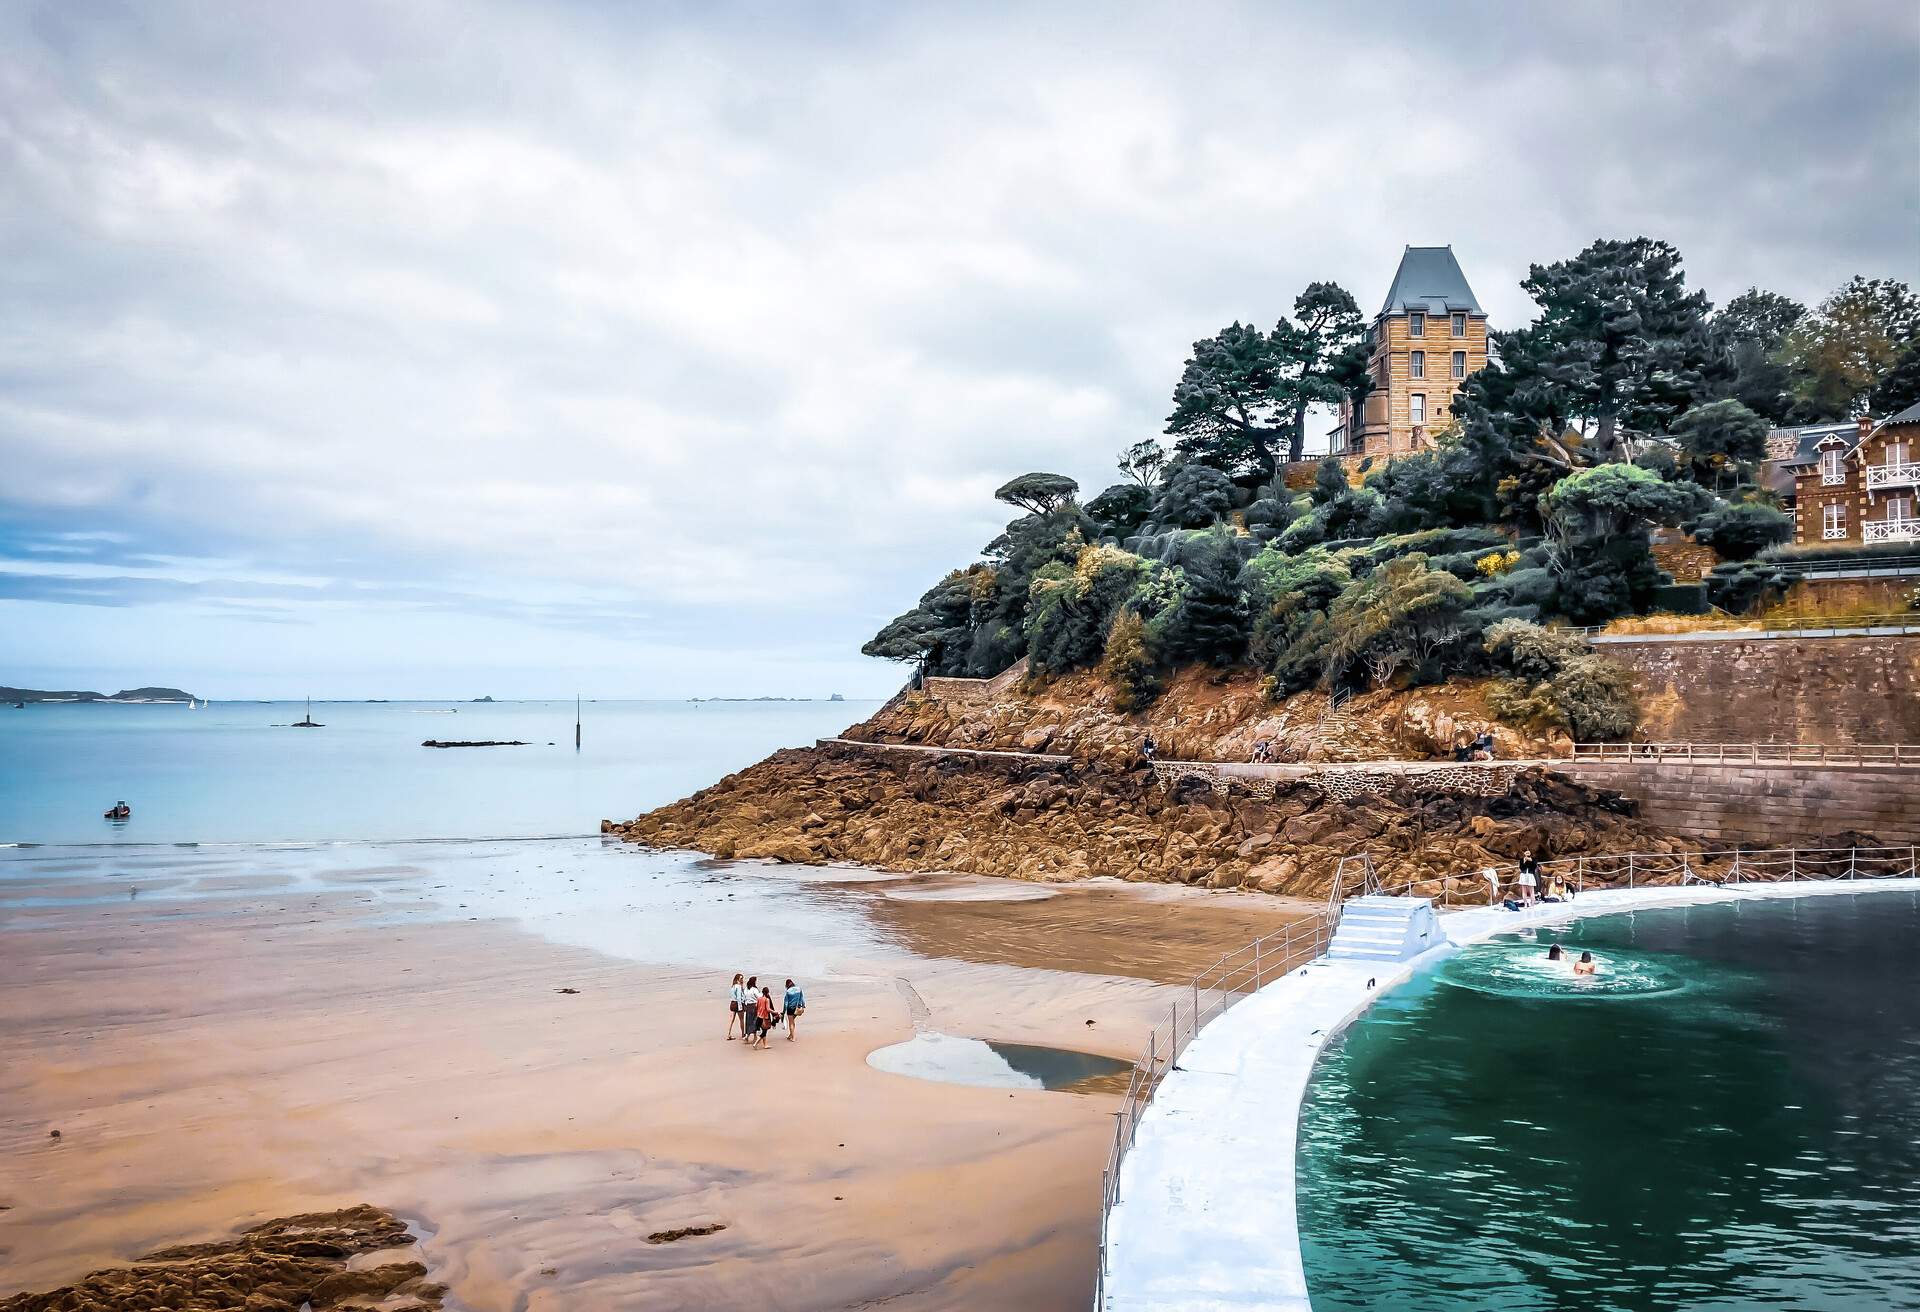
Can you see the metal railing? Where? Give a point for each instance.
(1896, 622)
(1890, 530)
(1720, 866)
(1902, 473)
(1235, 975)
(1845, 564)
(1902, 754)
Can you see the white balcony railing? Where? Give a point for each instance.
(1904, 474)
(1891, 530)
(1832, 477)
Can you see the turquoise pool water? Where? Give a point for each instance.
(1733, 1123)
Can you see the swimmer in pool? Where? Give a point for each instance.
(1555, 954)
(1586, 965)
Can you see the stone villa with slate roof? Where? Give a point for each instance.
(1856, 482)
(1427, 338)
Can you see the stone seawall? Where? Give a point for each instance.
(1778, 805)
(1839, 689)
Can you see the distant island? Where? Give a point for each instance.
(483, 699)
(835, 698)
(124, 695)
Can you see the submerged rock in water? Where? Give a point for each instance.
(278, 1266)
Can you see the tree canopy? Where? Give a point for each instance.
(1037, 493)
(1619, 335)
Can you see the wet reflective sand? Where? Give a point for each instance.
(224, 1035)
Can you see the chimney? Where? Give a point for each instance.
(1866, 426)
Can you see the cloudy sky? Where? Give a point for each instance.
(447, 348)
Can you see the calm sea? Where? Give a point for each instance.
(233, 772)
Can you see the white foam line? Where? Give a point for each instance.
(1206, 1220)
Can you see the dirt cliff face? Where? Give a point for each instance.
(1203, 715)
(1031, 820)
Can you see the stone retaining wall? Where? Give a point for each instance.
(1838, 689)
(1776, 805)
(1483, 779)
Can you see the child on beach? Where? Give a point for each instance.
(794, 1005)
(763, 1015)
(737, 1007)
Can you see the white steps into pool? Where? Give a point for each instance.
(1385, 929)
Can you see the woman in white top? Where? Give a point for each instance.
(737, 1007)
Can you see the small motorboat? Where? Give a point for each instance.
(118, 811)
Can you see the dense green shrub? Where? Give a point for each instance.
(1209, 623)
(1121, 509)
(1193, 496)
(1070, 609)
(1740, 587)
(1742, 531)
(1556, 682)
(1395, 623)
(1127, 665)
(1681, 598)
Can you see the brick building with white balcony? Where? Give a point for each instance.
(1854, 483)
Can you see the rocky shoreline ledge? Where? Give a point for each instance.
(286, 1265)
(1085, 819)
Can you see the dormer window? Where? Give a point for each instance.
(1459, 325)
(1832, 471)
(1416, 323)
(1417, 364)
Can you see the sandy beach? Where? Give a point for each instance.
(224, 1036)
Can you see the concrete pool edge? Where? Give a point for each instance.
(1206, 1219)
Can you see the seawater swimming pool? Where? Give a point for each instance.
(1736, 1127)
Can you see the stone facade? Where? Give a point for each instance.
(1429, 336)
(1836, 689)
(1772, 805)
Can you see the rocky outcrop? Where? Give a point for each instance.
(1073, 820)
(281, 1266)
(1203, 715)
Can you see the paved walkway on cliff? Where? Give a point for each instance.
(1278, 771)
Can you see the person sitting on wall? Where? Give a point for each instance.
(1148, 751)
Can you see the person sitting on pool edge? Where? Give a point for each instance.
(1586, 965)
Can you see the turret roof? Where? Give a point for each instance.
(1429, 279)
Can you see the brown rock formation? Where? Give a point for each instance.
(275, 1267)
(902, 811)
(1203, 715)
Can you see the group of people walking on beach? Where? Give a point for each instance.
(751, 1008)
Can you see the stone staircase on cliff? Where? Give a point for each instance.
(1385, 929)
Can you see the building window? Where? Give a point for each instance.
(1459, 325)
(1418, 409)
(1896, 453)
(1832, 472)
(1900, 509)
(1459, 364)
(1416, 324)
(1833, 521)
(1417, 363)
